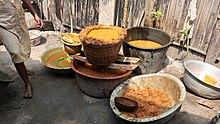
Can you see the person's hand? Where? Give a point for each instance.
(40, 23)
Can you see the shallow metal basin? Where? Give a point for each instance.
(194, 74)
(45, 56)
(168, 83)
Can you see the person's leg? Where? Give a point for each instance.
(19, 51)
(22, 71)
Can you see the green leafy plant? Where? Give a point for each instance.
(185, 34)
(156, 16)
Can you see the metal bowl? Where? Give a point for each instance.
(168, 83)
(50, 52)
(193, 78)
(72, 48)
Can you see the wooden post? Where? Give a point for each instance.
(106, 12)
(56, 22)
(45, 9)
(125, 17)
(214, 46)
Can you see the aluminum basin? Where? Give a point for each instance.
(168, 83)
(193, 78)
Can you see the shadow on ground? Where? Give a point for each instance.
(179, 118)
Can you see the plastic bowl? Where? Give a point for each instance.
(194, 74)
(35, 36)
(168, 83)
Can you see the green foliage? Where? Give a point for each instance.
(185, 34)
(157, 14)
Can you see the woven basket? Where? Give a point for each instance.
(102, 51)
(101, 55)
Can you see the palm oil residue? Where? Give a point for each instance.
(104, 34)
(151, 101)
(208, 79)
(98, 71)
(51, 61)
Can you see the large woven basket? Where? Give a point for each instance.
(101, 51)
(101, 55)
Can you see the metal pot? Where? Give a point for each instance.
(96, 86)
(150, 59)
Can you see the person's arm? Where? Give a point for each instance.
(28, 4)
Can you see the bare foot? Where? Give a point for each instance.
(28, 92)
(30, 73)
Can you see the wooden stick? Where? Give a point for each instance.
(80, 58)
(122, 66)
(115, 65)
(127, 59)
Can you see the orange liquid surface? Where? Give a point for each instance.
(144, 44)
(53, 59)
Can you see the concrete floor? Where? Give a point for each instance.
(58, 100)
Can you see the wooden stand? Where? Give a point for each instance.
(125, 63)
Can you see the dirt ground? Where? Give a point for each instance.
(58, 100)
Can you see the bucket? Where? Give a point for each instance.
(151, 59)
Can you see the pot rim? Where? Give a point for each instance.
(215, 87)
(96, 77)
(150, 49)
(68, 44)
